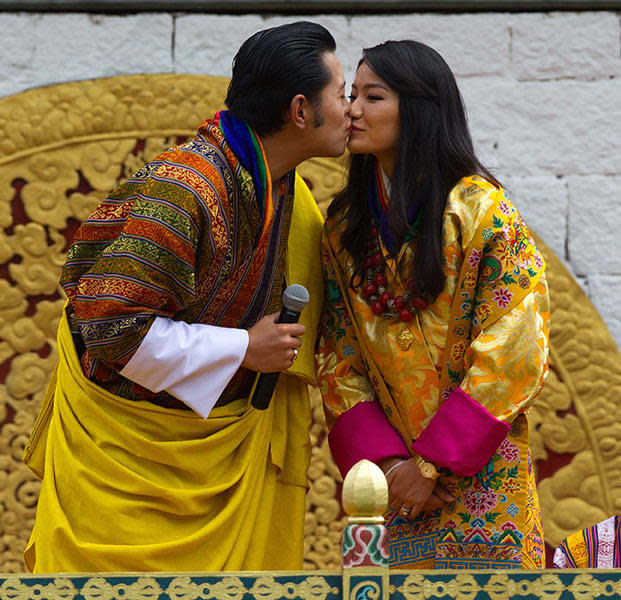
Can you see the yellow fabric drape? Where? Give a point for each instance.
(131, 486)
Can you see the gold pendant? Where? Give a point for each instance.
(405, 339)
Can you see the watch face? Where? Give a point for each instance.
(428, 470)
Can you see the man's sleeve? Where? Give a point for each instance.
(126, 302)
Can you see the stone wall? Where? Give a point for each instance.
(543, 92)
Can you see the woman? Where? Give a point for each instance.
(434, 341)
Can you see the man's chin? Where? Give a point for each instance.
(333, 153)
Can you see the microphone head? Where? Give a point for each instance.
(295, 297)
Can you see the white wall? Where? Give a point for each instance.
(543, 92)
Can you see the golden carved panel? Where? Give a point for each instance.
(63, 147)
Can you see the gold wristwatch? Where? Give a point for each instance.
(427, 468)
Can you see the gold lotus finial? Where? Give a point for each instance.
(365, 493)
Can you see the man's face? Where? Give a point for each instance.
(332, 114)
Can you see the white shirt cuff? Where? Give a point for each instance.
(193, 362)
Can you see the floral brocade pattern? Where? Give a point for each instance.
(494, 523)
(500, 363)
(487, 332)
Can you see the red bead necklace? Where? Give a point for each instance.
(382, 303)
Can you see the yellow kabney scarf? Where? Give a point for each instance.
(131, 486)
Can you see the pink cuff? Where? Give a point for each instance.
(462, 435)
(364, 432)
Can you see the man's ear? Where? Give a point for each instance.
(300, 111)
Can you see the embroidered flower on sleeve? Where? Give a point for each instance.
(538, 261)
(483, 311)
(469, 281)
(480, 502)
(505, 209)
(508, 450)
(524, 261)
(502, 297)
(458, 349)
(507, 232)
(475, 257)
(524, 281)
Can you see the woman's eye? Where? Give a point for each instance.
(352, 97)
(374, 98)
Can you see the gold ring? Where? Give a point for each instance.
(404, 510)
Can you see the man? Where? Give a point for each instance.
(150, 455)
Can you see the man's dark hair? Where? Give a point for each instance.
(274, 65)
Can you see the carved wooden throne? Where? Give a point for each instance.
(63, 147)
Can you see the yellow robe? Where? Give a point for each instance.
(131, 486)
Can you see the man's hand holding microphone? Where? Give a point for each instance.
(273, 343)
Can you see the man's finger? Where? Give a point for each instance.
(293, 329)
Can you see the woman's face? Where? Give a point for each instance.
(375, 118)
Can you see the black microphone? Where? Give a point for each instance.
(294, 299)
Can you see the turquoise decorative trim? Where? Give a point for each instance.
(352, 584)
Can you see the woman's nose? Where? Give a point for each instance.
(354, 109)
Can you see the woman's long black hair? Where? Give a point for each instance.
(434, 152)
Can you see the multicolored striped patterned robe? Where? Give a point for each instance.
(595, 547)
(183, 238)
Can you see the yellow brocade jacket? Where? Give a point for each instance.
(453, 382)
(504, 362)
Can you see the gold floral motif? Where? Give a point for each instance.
(63, 147)
(325, 519)
(406, 337)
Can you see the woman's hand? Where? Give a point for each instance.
(408, 489)
(440, 497)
